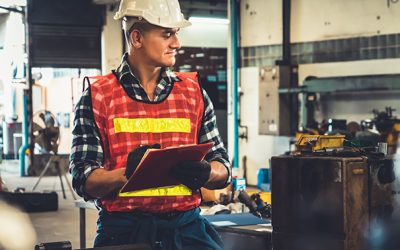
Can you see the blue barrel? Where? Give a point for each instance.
(263, 180)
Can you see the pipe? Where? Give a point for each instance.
(14, 115)
(29, 82)
(235, 97)
(287, 61)
(286, 50)
(27, 104)
(25, 144)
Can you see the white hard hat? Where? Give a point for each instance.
(164, 13)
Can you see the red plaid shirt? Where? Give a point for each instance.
(110, 101)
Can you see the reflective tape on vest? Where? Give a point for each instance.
(178, 190)
(152, 125)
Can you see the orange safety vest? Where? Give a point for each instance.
(125, 123)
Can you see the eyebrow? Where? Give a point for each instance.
(171, 30)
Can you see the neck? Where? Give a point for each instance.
(147, 75)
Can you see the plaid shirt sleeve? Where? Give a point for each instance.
(86, 152)
(209, 132)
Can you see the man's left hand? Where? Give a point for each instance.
(193, 174)
(135, 156)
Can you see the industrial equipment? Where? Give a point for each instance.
(331, 200)
(277, 112)
(46, 133)
(314, 143)
(388, 126)
(255, 204)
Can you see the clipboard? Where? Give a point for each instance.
(154, 170)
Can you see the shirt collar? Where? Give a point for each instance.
(126, 76)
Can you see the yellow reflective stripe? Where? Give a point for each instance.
(152, 125)
(160, 191)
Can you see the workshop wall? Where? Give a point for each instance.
(329, 38)
(205, 35)
(256, 149)
(11, 58)
(321, 31)
(111, 41)
(314, 20)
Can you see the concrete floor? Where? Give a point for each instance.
(61, 225)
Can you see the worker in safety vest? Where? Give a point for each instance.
(141, 105)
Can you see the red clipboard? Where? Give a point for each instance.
(154, 170)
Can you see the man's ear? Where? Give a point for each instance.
(136, 39)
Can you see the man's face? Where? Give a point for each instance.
(160, 46)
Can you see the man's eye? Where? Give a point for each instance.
(170, 34)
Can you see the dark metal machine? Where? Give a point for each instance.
(332, 200)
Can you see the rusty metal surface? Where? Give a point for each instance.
(319, 201)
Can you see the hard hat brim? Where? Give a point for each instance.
(181, 24)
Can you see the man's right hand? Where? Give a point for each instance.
(135, 156)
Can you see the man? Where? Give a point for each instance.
(147, 102)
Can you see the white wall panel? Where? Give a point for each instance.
(321, 20)
(58, 99)
(260, 22)
(314, 20)
(259, 148)
(111, 48)
(210, 35)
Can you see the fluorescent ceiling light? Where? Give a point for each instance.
(208, 20)
(10, 3)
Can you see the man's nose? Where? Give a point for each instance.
(176, 44)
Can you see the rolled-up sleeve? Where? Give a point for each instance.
(86, 151)
(209, 132)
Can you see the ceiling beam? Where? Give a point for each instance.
(216, 6)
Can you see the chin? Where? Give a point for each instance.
(169, 63)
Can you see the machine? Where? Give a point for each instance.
(331, 199)
(388, 126)
(46, 133)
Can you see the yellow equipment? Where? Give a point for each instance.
(314, 143)
(392, 139)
